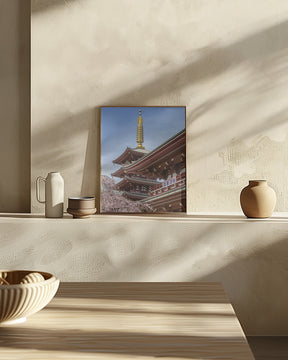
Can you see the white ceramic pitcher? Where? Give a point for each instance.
(54, 194)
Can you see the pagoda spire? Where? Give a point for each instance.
(140, 134)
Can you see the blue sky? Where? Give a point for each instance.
(119, 125)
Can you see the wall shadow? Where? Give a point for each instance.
(213, 61)
(59, 145)
(24, 95)
(92, 164)
(256, 285)
(42, 5)
(167, 264)
(269, 347)
(251, 50)
(15, 106)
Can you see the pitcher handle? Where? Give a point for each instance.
(39, 178)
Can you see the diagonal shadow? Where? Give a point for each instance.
(174, 263)
(129, 343)
(201, 65)
(256, 284)
(99, 310)
(42, 5)
(251, 49)
(212, 61)
(174, 292)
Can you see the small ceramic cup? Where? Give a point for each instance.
(81, 207)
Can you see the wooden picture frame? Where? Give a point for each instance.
(143, 159)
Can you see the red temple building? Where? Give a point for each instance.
(157, 177)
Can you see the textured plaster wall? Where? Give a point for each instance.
(225, 60)
(15, 105)
(248, 257)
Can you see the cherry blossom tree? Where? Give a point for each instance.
(113, 201)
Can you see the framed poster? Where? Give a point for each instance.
(143, 159)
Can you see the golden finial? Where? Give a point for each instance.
(140, 134)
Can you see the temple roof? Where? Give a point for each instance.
(136, 180)
(134, 196)
(130, 155)
(172, 198)
(174, 145)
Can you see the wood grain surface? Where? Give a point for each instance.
(130, 321)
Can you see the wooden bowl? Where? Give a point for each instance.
(19, 300)
(81, 207)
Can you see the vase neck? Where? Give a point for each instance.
(258, 182)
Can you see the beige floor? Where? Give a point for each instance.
(268, 347)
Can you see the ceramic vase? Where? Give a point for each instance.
(54, 194)
(81, 207)
(257, 199)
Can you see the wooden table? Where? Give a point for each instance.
(130, 321)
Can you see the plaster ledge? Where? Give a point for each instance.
(206, 217)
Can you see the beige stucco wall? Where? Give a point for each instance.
(225, 60)
(249, 257)
(15, 105)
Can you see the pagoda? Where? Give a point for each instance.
(157, 177)
(134, 186)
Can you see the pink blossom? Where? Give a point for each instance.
(113, 201)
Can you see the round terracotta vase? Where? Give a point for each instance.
(257, 199)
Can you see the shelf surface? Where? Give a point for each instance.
(130, 321)
(193, 217)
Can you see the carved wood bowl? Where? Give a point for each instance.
(23, 293)
(81, 207)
